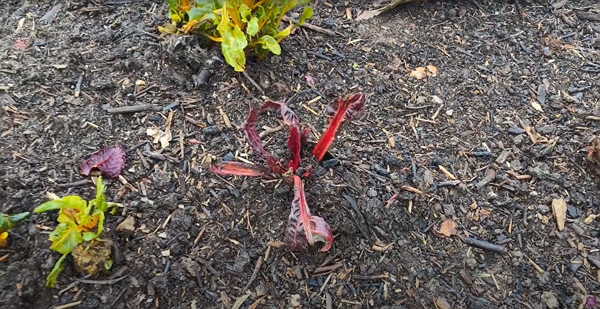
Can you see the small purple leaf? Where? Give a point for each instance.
(109, 161)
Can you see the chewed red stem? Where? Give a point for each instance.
(304, 211)
(327, 139)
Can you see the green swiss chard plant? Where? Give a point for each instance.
(79, 221)
(239, 25)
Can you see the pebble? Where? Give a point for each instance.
(371, 192)
(550, 300)
(573, 212)
(228, 157)
(518, 139)
(547, 51)
(211, 130)
(516, 130)
(543, 209)
(127, 226)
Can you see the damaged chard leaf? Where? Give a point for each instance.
(342, 110)
(303, 229)
(7, 222)
(79, 221)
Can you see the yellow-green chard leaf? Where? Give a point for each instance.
(252, 28)
(269, 43)
(234, 43)
(56, 270)
(307, 13)
(71, 201)
(65, 238)
(7, 222)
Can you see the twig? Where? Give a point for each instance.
(389, 202)
(69, 305)
(74, 183)
(133, 109)
(3, 258)
(253, 82)
(78, 85)
(374, 277)
(105, 282)
(310, 26)
(70, 286)
(112, 305)
(254, 273)
(483, 244)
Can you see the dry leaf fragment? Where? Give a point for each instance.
(590, 219)
(448, 228)
(559, 208)
(418, 73)
(537, 106)
(432, 70)
(442, 303)
(423, 72)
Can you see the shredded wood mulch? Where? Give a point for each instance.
(467, 181)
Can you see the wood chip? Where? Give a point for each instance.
(559, 208)
(446, 172)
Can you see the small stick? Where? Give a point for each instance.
(536, 266)
(3, 258)
(74, 183)
(448, 183)
(309, 26)
(112, 281)
(69, 305)
(133, 109)
(112, 305)
(374, 277)
(411, 189)
(78, 86)
(253, 82)
(259, 263)
(483, 244)
(389, 202)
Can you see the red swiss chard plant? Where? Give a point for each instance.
(303, 229)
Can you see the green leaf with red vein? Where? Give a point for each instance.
(343, 110)
(240, 169)
(302, 228)
(110, 161)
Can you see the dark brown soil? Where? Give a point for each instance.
(198, 238)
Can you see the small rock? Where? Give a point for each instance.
(380, 170)
(127, 226)
(543, 209)
(295, 300)
(518, 139)
(573, 212)
(516, 130)
(211, 130)
(442, 303)
(201, 78)
(548, 129)
(550, 300)
(471, 262)
(229, 157)
(547, 51)
(371, 192)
